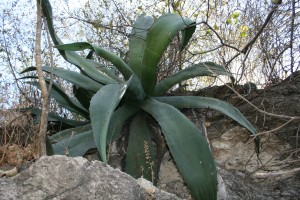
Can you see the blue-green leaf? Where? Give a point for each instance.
(201, 69)
(212, 103)
(59, 94)
(66, 134)
(118, 119)
(84, 64)
(71, 76)
(113, 58)
(140, 154)
(75, 145)
(137, 42)
(188, 147)
(187, 35)
(53, 117)
(102, 106)
(161, 33)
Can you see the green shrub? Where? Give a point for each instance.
(106, 101)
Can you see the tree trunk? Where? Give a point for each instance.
(38, 60)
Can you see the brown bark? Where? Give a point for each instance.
(38, 60)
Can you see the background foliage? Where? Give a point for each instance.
(225, 27)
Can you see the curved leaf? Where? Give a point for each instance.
(65, 134)
(84, 64)
(140, 154)
(102, 106)
(117, 121)
(137, 42)
(88, 67)
(75, 145)
(161, 33)
(113, 58)
(53, 117)
(83, 96)
(47, 12)
(135, 92)
(188, 147)
(215, 104)
(106, 70)
(187, 35)
(73, 142)
(201, 69)
(70, 76)
(64, 100)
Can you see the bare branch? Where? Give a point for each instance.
(219, 37)
(252, 105)
(278, 173)
(277, 128)
(253, 40)
(97, 25)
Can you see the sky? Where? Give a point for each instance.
(21, 15)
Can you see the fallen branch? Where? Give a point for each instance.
(278, 173)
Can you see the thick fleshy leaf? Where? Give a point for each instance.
(47, 12)
(113, 58)
(188, 147)
(83, 96)
(84, 64)
(73, 142)
(161, 33)
(66, 134)
(187, 35)
(211, 103)
(137, 42)
(64, 100)
(118, 119)
(140, 155)
(77, 79)
(88, 67)
(53, 117)
(135, 92)
(201, 69)
(102, 106)
(75, 145)
(110, 71)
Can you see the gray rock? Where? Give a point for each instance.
(170, 180)
(240, 186)
(61, 177)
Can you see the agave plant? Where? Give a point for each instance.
(106, 101)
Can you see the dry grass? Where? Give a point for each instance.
(17, 137)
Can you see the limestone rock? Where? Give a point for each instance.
(61, 177)
(236, 151)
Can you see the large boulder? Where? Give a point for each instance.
(61, 177)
